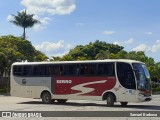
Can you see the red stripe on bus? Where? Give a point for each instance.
(80, 85)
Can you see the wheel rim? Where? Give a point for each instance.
(109, 100)
(46, 98)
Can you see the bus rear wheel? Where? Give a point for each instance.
(110, 100)
(61, 100)
(46, 98)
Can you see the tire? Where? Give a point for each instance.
(110, 100)
(124, 104)
(61, 100)
(46, 98)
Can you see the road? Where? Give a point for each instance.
(8, 103)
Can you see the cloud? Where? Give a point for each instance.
(116, 43)
(54, 49)
(108, 32)
(156, 47)
(129, 41)
(52, 7)
(44, 9)
(148, 33)
(43, 23)
(10, 18)
(143, 47)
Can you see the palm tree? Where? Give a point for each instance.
(24, 20)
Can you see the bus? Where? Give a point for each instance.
(112, 80)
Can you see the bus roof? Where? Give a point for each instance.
(84, 61)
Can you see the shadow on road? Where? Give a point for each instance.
(141, 107)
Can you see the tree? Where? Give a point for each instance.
(14, 49)
(92, 51)
(103, 55)
(24, 20)
(3, 62)
(122, 54)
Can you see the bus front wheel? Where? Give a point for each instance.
(46, 98)
(110, 100)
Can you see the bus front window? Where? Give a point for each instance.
(142, 76)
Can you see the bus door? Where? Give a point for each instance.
(126, 79)
(130, 87)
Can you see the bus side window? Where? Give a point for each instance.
(88, 69)
(106, 69)
(27, 70)
(54, 70)
(17, 70)
(39, 70)
(70, 69)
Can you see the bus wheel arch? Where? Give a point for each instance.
(110, 98)
(46, 97)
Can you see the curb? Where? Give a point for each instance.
(5, 94)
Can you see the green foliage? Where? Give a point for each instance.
(5, 90)
(154, 90)
(92, 51)
(103, 55)
(16, 49)
(122, 54)
(56, 58)
(3, 62)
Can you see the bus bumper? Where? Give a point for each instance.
(144, 99)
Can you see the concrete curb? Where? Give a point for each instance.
(5, 94)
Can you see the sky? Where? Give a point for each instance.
(133, 24)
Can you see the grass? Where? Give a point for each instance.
(4, 90)
(154, 90)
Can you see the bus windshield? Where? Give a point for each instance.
(142, 76)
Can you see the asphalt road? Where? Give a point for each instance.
(8, 103)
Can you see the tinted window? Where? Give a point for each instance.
(54, 70)
(39, 70)
(17, 70)
(88, 69)
(106, 69)
(125, 75)
(70, 69)
(28, 70)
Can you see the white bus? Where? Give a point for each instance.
(110, 80)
